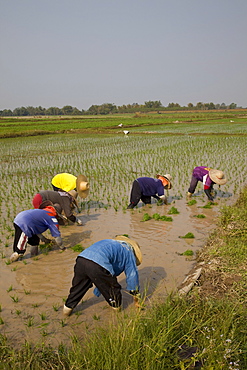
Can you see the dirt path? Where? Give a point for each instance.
(40, 285)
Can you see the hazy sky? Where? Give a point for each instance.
(85, 52)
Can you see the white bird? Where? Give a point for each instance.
(120, 125)
(231, 121)
(126, 132)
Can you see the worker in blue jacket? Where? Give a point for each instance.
(29, 226)
(144, 188)
(100, 264)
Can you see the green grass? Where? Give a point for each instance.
(188, 122)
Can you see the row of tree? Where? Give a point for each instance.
(109, 108)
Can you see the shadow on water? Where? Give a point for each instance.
(82, 206)
(217, 194)
(223, 194)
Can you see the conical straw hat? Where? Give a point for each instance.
(134, 245)
(82, 186)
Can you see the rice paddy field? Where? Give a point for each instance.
(33, 289)
(213, 122)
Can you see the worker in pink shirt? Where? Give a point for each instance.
(208, 177)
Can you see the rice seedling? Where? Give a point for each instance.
(166, 218)
(15, 298)
(10, 288)
(209, 205)
(42, 316)
(62, 322)
(56, 307)
(1, 321)
(18, 312)
(96, 317)
(200, 216)
(108, 158)
(146, 217)
(173, 211)
(188, 252)
(44, 332)
(27, 291)
(189, 235)
(77, 248)
(30, 322)
(191, 202)
(156, 216)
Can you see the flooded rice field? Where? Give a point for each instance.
(33, 290)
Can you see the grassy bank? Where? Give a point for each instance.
(41, 125)
(205, 329)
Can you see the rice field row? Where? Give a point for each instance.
(201, 128)
(111, 163)
(233, 121)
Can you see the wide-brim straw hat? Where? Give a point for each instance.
(73, 193)
(217, 176)
(47, 204)
(167, 180)
(82, 186)
(135, 246)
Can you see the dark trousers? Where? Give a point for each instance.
(21, 240)
(193, 185)
(87, 273)
(136, 195)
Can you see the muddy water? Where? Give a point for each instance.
(41, 284)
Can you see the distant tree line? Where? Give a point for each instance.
(108, 108)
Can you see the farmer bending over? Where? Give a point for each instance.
(144, 188)
(100, 264)
(63, 201)
(29, 226)
(208, 177)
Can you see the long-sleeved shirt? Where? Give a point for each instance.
(36, 221)
(150, 186)
(63, 198)
(64, 181)
(116, 257)
(201, 173)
